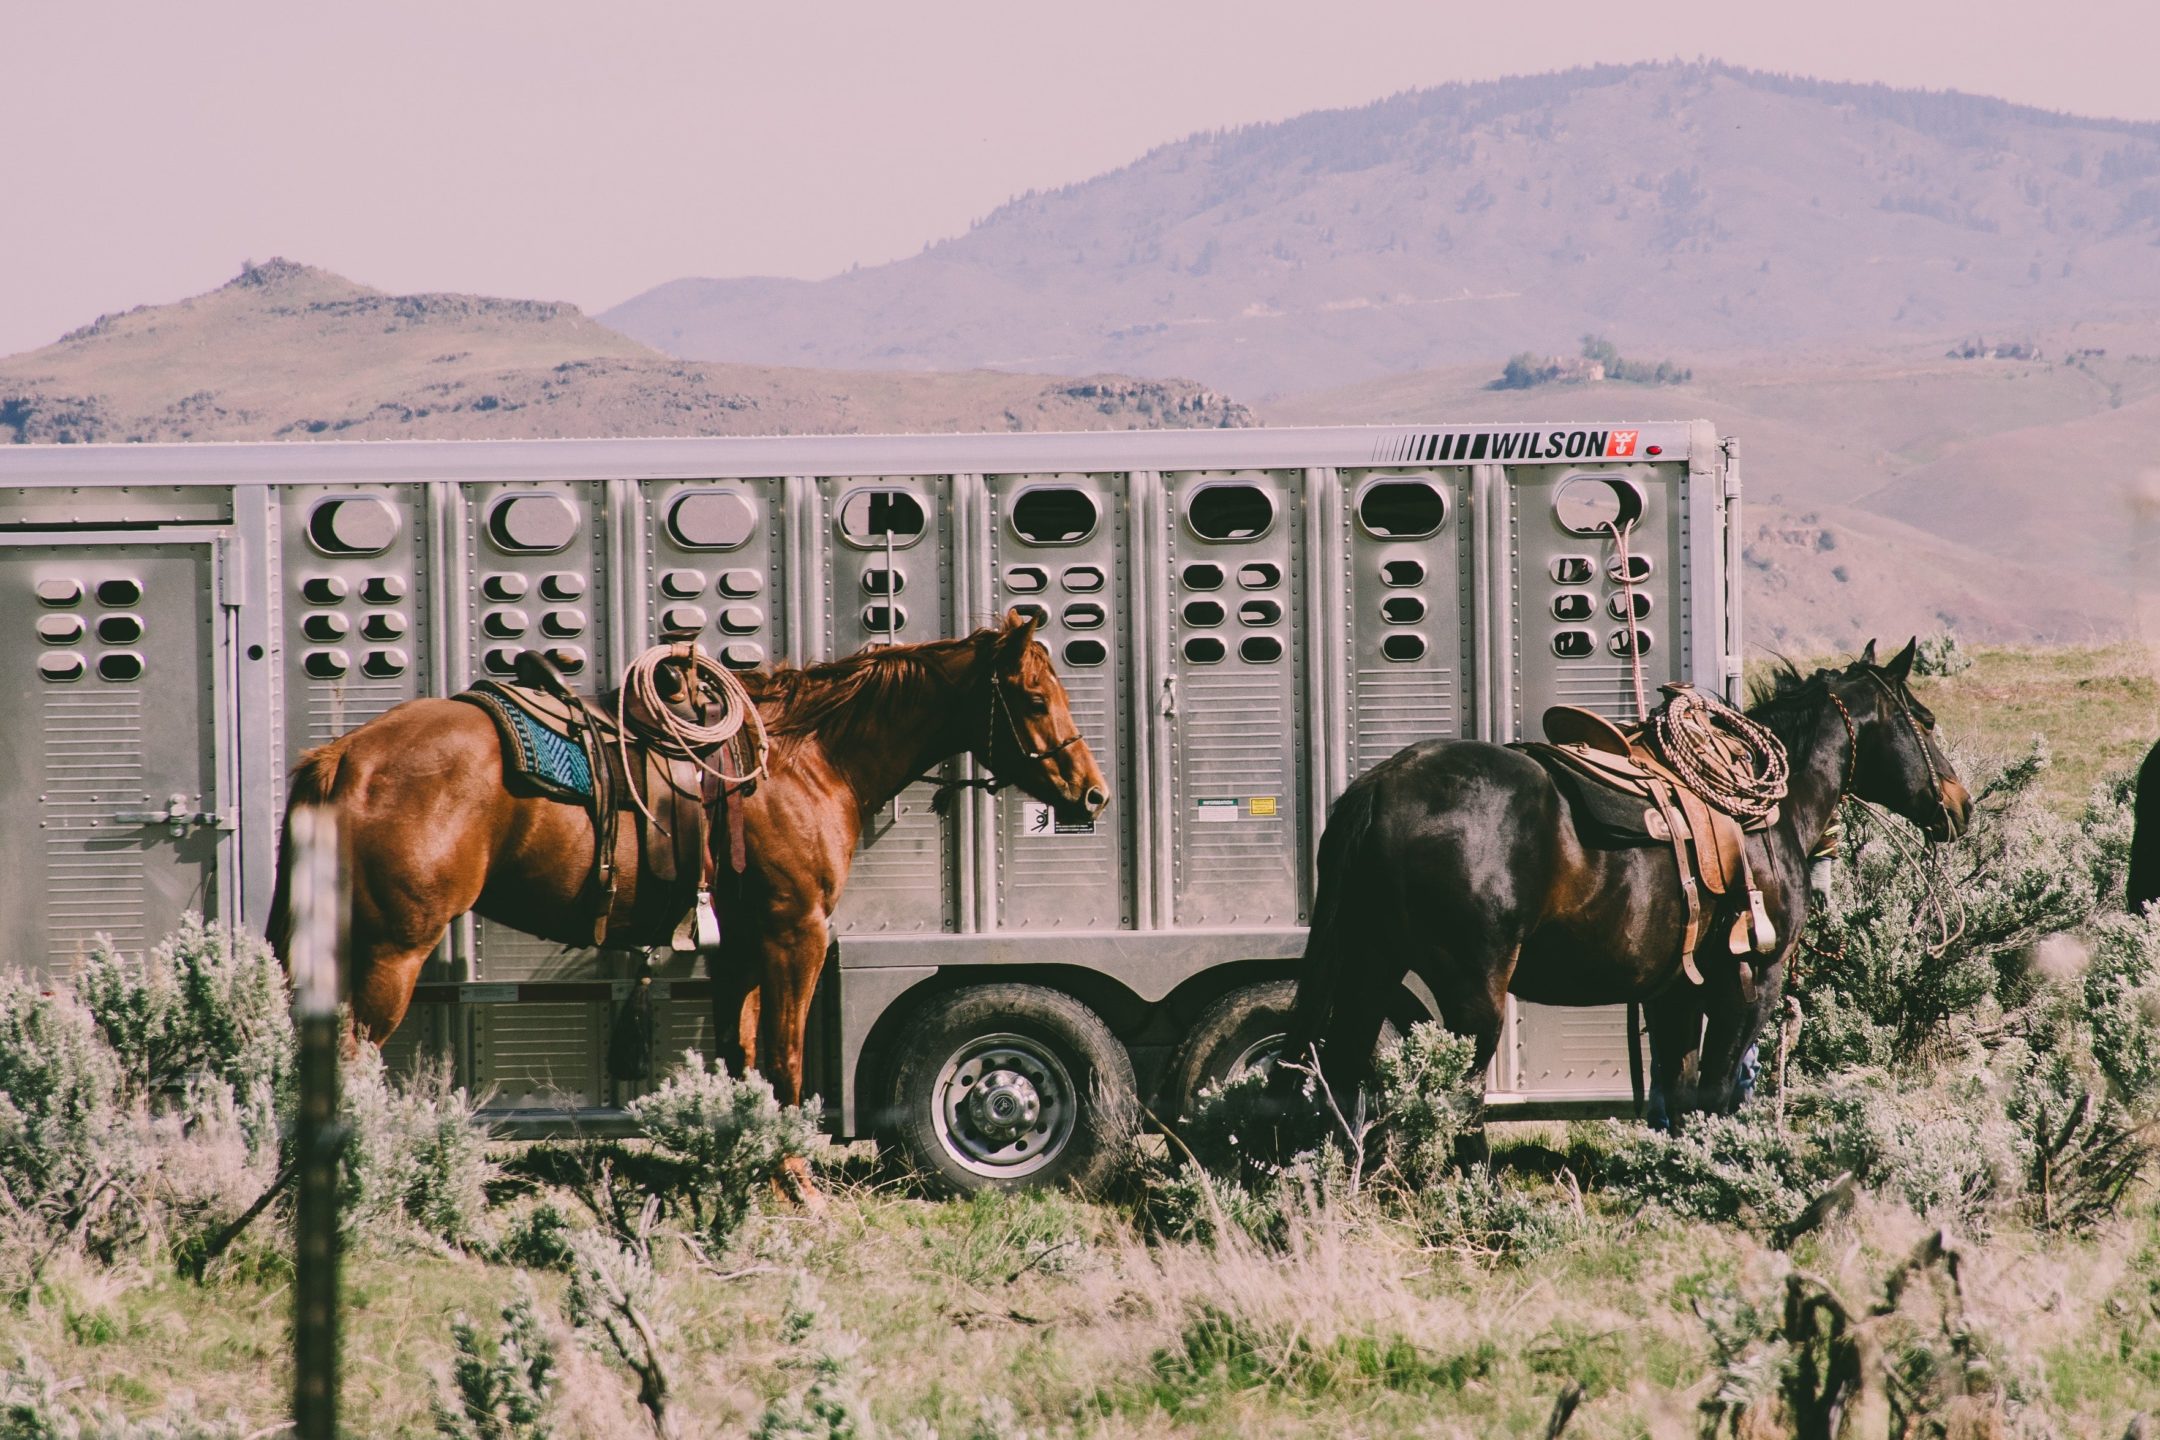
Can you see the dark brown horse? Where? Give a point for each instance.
(430, 830)
(1460, 860)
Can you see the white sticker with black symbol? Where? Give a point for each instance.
(1036, 818)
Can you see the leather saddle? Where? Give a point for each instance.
(687, 825)
(1622, 794)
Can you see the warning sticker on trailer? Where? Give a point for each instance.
(1216, 812)
(1040, 819)
(1261, 807)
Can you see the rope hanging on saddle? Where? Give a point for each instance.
(1728, 759)
(663, 730)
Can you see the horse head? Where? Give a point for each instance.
(1031, 740)
(1895, 759)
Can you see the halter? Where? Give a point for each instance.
(999, 707)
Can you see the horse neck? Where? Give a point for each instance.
(1819, 748)
(913, 728)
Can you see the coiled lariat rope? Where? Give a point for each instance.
(1733, 762)
(687, 739)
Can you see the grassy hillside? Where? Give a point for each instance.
(288, 352)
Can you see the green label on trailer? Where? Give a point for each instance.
(1215, 811)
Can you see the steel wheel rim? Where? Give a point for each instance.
(1260, 1057)
(1004, 1106)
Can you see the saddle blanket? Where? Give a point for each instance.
(535, 755)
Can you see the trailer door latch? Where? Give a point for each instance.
(177, 819)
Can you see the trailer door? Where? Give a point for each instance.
(112, 717)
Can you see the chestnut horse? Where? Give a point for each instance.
(430, 831)
(1460, 860)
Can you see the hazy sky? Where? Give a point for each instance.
(586, 152)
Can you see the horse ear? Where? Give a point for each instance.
(1901, 663)
(1015, 635)
(1867, 656)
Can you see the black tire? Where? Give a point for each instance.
(1231, 1037)
(1011, 1087)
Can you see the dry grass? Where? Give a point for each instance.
(1069, 1320)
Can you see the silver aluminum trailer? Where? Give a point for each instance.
(1244, 619)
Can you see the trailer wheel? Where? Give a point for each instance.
(1010, 1087)
(1241, 1032)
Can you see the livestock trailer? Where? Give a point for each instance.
(1245, 619)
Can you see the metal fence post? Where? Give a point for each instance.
(318, 933)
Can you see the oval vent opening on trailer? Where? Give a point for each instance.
(382, 590)
(1204, 650)
(1027, 579)
(1259, 612)
(1230, 512)
(711, 519)
(1260, 650)
(534, 522)
(869, 518)
(884, 618)
(1403, 647)
(322, 590)
(1259, 577)
(1593, 504)
(1402, 509)
(1203, 576)
(1402, 609)
(1085, 652)
(1054, 515)
(61, 665)
(1082, 579)
(118, 593)
(352, 525)
(1084, 616)
(682, 584)
(1402, 572)
(1617, 604)
(880, 581)
(1203, 612)
(1623, 646)
(120, 629)
(1572, 606)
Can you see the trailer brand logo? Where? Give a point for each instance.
(1511, 445)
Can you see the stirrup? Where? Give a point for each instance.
(700, 928)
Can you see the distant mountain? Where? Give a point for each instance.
(1679, 209)
(289, 352)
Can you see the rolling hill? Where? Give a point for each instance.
(1683, 209)
(290, 352)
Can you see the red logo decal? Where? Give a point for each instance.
(1620, 442)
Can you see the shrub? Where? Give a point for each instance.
(828, 1404)
(35, 1405)
(1941, 654)
(2121, 993)
(502, 1389)
(68, 1158)
(199, 1002)
(733, 1139)
(415, 1157)
(538, 1239)
(1427, 1101)
(616, 1298)
(1482, 1215)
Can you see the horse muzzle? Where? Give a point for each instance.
(1957, 808)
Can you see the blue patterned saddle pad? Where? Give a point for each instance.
(535, 752)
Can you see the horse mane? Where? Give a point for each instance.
(1784, 682)
(845, 702)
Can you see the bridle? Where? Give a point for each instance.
(1000, 708)
(1912, 723)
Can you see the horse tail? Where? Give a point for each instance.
(1347, 923)
(312, 782)
(2144, 884)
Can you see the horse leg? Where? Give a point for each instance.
(1675, 1024)
(1735, 1013)
(795, 949)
